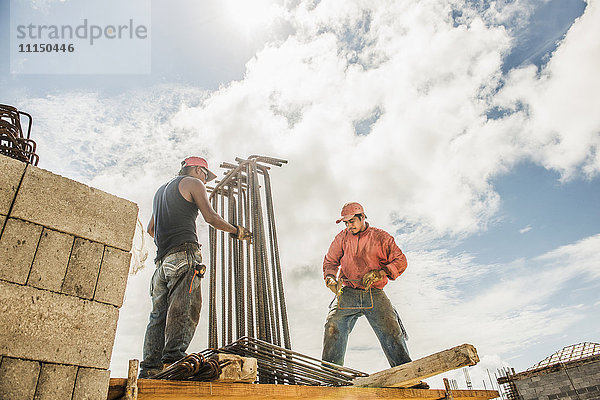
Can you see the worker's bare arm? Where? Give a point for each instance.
(150, 228)
(193, 190)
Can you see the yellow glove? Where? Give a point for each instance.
(371, 277)
(242, 233)
(333, 285)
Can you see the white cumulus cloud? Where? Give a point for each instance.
(381, 102)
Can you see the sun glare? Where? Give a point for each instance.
(250, 15)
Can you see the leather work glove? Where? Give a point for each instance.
(371, 277)
(242, 233)
(333, 285)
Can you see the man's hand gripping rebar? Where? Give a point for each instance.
(242, 233)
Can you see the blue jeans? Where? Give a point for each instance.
(381, 315)
(176, 304)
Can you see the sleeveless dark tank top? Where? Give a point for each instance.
(174, 218)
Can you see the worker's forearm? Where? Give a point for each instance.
(395, 268)
(219, 223)
(330, 269)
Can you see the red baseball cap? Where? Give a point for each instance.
(350, 210)
(199, 162)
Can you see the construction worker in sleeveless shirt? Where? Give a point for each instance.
(175, 286)
(360, 262)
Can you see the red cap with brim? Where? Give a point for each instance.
(350, 210)
(199, 162)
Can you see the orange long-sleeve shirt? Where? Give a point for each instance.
(355, 255)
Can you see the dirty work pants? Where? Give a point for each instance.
(176, 304)
(383, 318)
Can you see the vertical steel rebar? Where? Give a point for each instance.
(230, 282)
(240, 312)
(266, 300)
(252, 300)
(249, 284)
(277, 278)
(222, 254)
(212, 304)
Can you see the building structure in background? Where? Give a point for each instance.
(572, 373)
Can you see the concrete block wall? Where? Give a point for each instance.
(64, 261)
(578, 381)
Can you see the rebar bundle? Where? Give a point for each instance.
(246, 297)
(275, 364)
(193, 367)
(247, 276)
(283, 366)
(13, 142)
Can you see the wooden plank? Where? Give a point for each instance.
(150, 389)
(411, 373)
(448, 390)
(238, 369)
(131, 390)
(116, 388)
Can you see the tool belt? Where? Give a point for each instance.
(187, 247)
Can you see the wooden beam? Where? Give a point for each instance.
(412, 373)
(131, 390)
(150, 389)
(448, 390)
(238, 369)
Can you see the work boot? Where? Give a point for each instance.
(148, 373)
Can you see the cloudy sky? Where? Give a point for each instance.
(468, 129)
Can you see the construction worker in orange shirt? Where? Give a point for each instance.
(360, 262)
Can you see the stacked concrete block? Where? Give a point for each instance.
(17, 247)
(56, 381)
(64, 261)
(574, 380)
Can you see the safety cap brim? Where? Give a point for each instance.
(210, 175)
(344, 218)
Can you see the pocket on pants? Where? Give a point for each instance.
(354, 299)
(197, 256)
(174, 264)
(152, 281)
